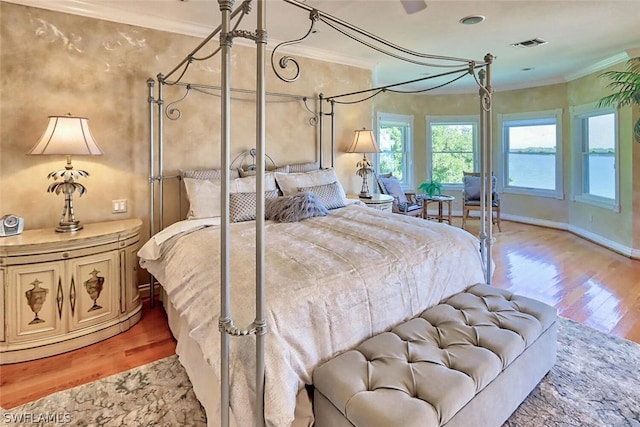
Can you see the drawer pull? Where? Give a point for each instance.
(65, 255)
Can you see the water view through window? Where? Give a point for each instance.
(531, 170)
(531, 154)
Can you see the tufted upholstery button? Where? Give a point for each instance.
(430, 367)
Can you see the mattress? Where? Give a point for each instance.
(331, 283)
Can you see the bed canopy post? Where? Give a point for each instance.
(486, 165)
(225, 241)
(260, 323)
(226, 326)
(333, 133)
(152, 200)
(321, 130)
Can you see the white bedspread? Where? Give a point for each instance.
(331, 283)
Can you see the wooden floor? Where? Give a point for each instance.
(586, 283)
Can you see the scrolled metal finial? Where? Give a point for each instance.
(484, 91)
(283, 63)
(172, 112)
(313, 120)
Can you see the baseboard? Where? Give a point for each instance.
(535, 221)
(581, 232)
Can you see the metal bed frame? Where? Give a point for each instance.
(227, 32)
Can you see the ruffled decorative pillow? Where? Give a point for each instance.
(294, 207)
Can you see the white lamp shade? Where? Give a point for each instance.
(363, 142)
(67, 135)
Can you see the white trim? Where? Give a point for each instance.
(111, 12)
(465, 119)
(600, 202)
(401, 119)
(535, 221)
(598, 66)
(555, 114)
(578, 114)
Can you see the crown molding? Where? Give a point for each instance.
(111, 12)
(599, 66)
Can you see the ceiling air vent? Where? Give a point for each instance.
(530, 43)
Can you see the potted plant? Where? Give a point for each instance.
(431, 187)
(626, 87)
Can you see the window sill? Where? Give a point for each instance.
(533, 192)
(600, 202)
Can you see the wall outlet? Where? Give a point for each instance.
(119, 206)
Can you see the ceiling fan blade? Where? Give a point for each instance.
(413, 6)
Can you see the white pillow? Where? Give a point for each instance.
(289, 182)
(204, 195)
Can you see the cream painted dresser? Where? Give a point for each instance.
(63, 291)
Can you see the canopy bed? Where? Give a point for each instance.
(334, 275)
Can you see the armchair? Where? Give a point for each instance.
(471, 197)
(403, 202)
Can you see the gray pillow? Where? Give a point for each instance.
(394, 189)
(329, 194)
(242, 206)
(472, 186)
(295, 207)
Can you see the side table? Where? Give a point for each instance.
(440, 200)
(382, 202)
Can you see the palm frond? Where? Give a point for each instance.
(626, 89)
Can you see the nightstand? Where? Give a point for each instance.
(63, 291)
(382, 202)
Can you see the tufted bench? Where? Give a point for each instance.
(468, 361)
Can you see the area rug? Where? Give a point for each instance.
(595, 383)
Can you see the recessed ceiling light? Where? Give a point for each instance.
(472, 19)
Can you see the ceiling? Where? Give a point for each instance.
(582, 36)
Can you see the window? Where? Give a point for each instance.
(395, 142)
(595, 156)
(532, 153)
(452, 147)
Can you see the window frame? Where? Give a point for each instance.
(407, 181)
(473, 120)
(578, 115)
(505, 121)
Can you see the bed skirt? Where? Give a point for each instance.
(204, 379)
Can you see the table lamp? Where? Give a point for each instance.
(364, 142)
(68, 136)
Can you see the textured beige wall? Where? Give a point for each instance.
(53, 63)
(621, 227)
